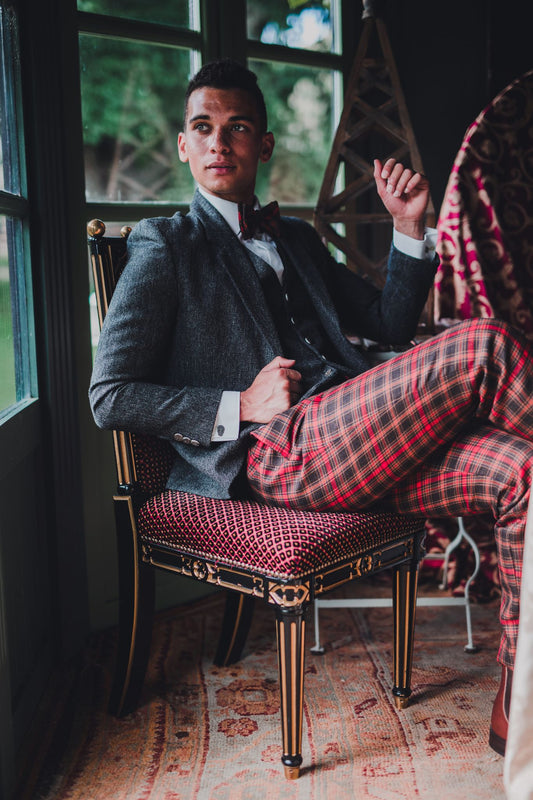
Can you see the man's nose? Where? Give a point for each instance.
(219, 141)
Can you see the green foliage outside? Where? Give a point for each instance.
(132, 110)
(299, 102)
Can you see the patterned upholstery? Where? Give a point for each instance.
(153, 458)
(280, 542)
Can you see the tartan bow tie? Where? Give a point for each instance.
(264, 220)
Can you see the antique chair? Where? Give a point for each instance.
(282, 557)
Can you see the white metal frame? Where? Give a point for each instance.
(377, 602)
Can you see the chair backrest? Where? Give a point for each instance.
(143, 462)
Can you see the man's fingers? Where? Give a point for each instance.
(396, 178)
(387, 168)
(279, 362)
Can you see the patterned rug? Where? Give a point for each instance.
(207, 733)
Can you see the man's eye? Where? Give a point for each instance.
(238, 127)
(200, 126)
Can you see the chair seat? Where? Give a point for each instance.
(280, 542)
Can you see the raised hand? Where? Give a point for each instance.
(273, 390)
(405, 195)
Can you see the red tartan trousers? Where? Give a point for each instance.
(444, 429)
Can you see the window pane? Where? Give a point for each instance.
(8, 391)
(293, 23)
(132, 102)
(301, 109)
(182, 13)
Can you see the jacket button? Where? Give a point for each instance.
(195, 443)
(178, 437)
(186, 440)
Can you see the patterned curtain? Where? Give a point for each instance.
(485, 242)
(485, 226)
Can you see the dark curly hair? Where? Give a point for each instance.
(228, 74)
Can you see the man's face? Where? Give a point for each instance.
(223, 143)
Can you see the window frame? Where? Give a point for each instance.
(14, 205)
(119, 28)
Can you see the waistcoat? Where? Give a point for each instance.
(301, 334)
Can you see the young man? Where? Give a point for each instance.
(231, 344)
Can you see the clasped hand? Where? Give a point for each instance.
(276, 388)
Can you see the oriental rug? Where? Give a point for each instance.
(208, 733)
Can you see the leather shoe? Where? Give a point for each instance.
(499, 721)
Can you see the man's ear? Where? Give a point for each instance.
(182, 148)
(267, 147)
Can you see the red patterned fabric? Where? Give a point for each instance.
(280, 542)
(154, 459)
(485, 227)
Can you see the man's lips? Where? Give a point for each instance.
(221, 167)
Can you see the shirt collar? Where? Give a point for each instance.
(226, 208)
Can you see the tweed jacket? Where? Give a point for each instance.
(188, 320)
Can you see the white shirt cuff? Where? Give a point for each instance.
(226, 427)
(416, 248)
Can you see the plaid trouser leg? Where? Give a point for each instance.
(486, 470)
(349, 446)
(359, 442)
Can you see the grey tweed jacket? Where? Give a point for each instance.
(188, 320)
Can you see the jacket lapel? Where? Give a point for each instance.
(234, 258)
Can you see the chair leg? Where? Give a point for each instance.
(238, 615)
(136, 610)
(405, 583)
(290, 629)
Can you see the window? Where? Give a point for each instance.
(294, 48)
(134, 56)
(295, 23)
(300, 102)
(131, 118)
(136, 59)
(16, 351)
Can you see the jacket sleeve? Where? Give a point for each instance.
(389, 315)
(128, 389)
